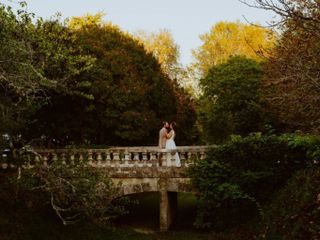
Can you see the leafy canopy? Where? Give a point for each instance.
(37, 58)
(231, 101)
(227, 39)
(130, 93)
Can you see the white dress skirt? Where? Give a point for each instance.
(170, 144)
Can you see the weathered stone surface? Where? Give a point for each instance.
(133, 170)
(139, 185)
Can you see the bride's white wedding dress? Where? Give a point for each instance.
(170, 144)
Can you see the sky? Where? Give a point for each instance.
(186, 19)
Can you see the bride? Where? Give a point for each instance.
(170, 144)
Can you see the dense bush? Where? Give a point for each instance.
(248, 171)
(295, 212)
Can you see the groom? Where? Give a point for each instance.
(162, 140)
(163, 135)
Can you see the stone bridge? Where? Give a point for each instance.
(138, 169)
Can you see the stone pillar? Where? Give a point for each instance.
(168, 209)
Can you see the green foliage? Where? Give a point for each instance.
(241, 175)
(231, 101)
(295, 212)
(30, 218)
(83, 82)
(131, 95)
(36, 58)
(76, 192)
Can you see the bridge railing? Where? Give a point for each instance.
(114, 157)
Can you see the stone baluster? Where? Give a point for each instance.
(136, 159)
(144, 159)
(183, 158)
(126, 158)
(171, 159)
(116, 159)
(189, 158)
(154, 161)
(163, 158)
(116, 156)
(45, 160)
(36, 159)
(196, 156)
(202, 155)
(90, 158)
(99, 159)
(71, 158)
(4, 165)
(108, 159)
(63, 158)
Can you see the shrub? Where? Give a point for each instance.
(76, 192)
(295, 212)
(247, 172)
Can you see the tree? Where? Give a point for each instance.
(231, 101)
(161, 44)
(227, 39)
(292, 82)
(37, 58)
(87, 21)
(131, 96)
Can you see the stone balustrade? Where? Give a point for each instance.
(137, 169)
(113, 157)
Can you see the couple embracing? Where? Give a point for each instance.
(166, 140)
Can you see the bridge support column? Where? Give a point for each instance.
(168, 209)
